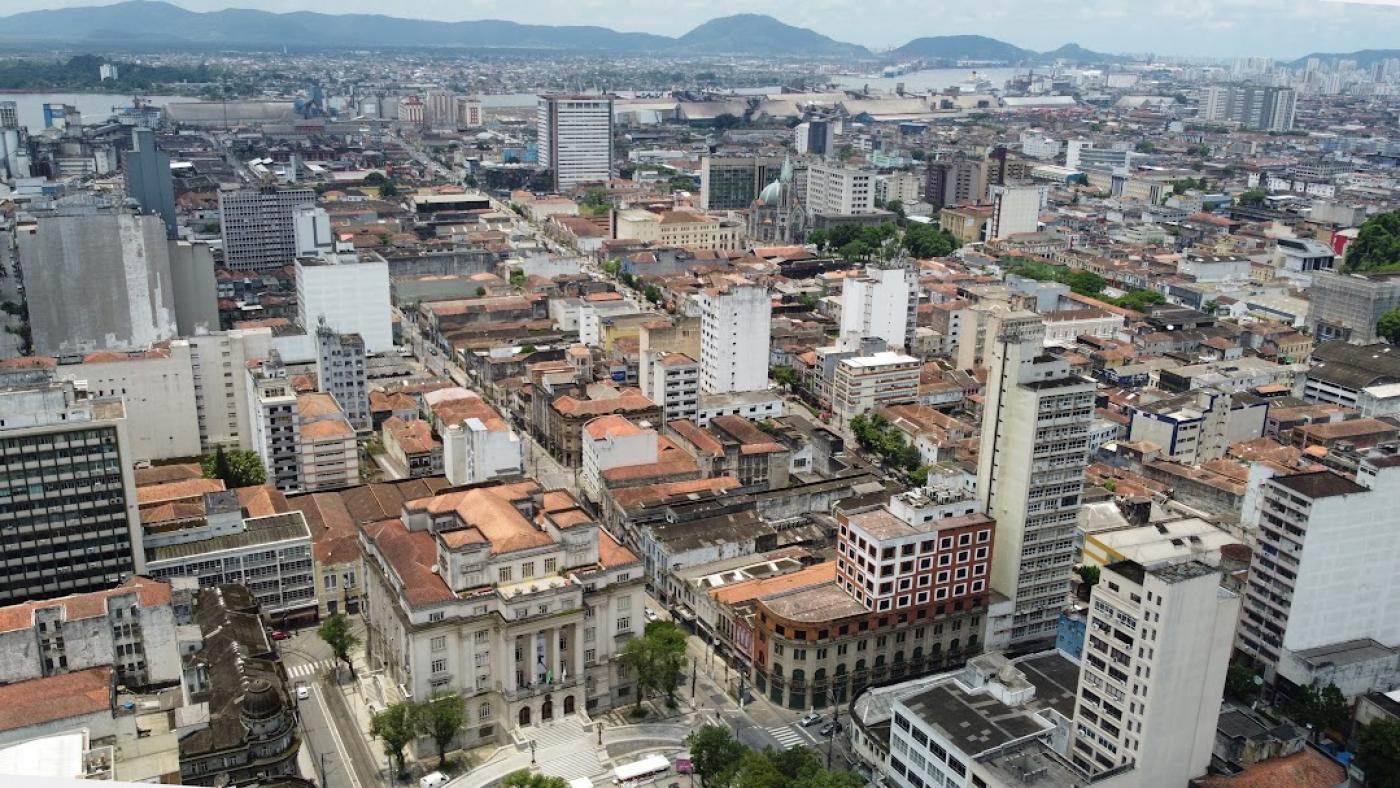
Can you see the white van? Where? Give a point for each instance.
(432, 780)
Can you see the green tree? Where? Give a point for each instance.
(1322, 709)
(927, 241)
(667, 644)
(440, 718)
(1088, 574)
(1145, 146)
(395, 727)
(896, 207)
(786, 376)
(1389, 326)
(715, 753)
(854, 252)
(818, 239)
(726, 121)
(652, 293)
(517, 277)
(1086, 283)
(335, 631)
(683, 183)
(1378, 753)
(1377, 244)
(1240, 683)
(612, 267)
(1253, 198)
(527, 779)
(376, 178)
(237, 468)
(388, 191)
(636, 656)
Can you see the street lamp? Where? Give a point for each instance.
(532, 752)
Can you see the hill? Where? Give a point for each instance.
(954, 48)
(1074, 53)
(757, 34)
(149, 22)
(1364, 58)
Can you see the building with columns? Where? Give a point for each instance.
(512, 596)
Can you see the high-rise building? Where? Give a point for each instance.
(1320, 606)
(735, 321)
(312, 232)
(273, 421)
(468, 111)
(221, 384)
(884, 303)
(70, 514)
(731, 183)
(351, 293)
(1251, 106)
(97, 281)
(1152, 674)
(1348, 306)
(1030, 471)
(835, 189)
(341, 372)
(673, 382)
(576, 139)
(813, 137)
(259, 226)
(1015, 210)
(148, 179)
(195, 285)
(863, 383)
(956, 181)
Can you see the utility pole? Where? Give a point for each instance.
(692, 680)
(324, 784)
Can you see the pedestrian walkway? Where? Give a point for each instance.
(310, 669)
(787, 736)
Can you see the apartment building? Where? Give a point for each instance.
(672, 381)
(68, 491)
(259, 227)
(341, 372)
(1200, 425)
(1347, 307)
(1325, 542)
(575, 138)
(883, 302)
(1152, 674)
(509, 595)
(1252, 106)
(219, 361)
(1030, 473)
(272, 417)
(864, 383)
(350, 292)
(734, 336)
(732, 183)
(130, 627)
(327, 452)
(835, 189)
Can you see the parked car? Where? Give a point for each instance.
(831, 728)
(811, 719)
(650, 614)
(278, 634)
(303, 692)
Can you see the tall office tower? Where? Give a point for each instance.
(884, 303)
(1321, 603)
(70, 517)
(1251, 106)
(1030, 472)
(1015, 210)
(834, 189)
(734, 336)
(148, 179)
(259, 226)
(813, 137)
(576, 139)
(9, 115)
(1152, 674)
(732, 183)
(97, 281)
(341, 373)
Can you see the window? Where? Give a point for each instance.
(589, 656)
(439, 666)
(550, 565)
(483, 712)
(438, 616)
(624, 624)
(482, 635)
(505, 574)
(624, 603)
(329, 579)
(527, 569)
(483, 659)
(439, 643)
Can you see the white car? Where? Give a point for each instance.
(811, 719)
(650, 614)
(303, 692)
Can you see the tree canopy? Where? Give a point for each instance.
(721, 761)
(440, 718)
(1323, 709)
(1253, 198)
(656, 658)
(1378, 753)
(1389, 326)
(527, 779)
(1377, 245)
(396, 726)
(335, 631)
(237, 468)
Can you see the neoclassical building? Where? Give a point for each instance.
(777, 216)
(507, 594)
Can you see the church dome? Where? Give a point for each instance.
(771, 194)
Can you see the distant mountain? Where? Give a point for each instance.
(1074, 53)
(756, 34)
(1363, 57)
(146, 22)
(955, 48)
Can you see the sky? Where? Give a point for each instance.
(1223, 28)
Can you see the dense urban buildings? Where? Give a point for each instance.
(258, 227)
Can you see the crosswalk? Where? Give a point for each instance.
(310, 669)
(787, 736)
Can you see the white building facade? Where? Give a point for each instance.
(735, 327)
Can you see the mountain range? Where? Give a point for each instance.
(151, 23)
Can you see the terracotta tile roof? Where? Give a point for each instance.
(261, 501)
(1306, 769)
(611, 554)
(316, 405)
(628, 400)
(55, 698)
(768, 586)
(412, 556)
(93, 604)
(697, 436)
(413, 436)
(327, 429)
(161, 474)
(29, 362)
(457, 409)
(489, 514)
(169, 492)
(657, 493)
(611, 425)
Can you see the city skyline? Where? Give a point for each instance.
(1186, 28)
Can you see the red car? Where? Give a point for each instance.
(278, 634)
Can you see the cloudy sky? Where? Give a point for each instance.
(1275, 28)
